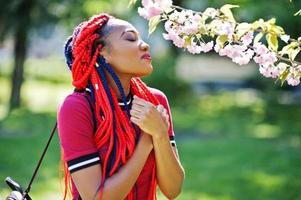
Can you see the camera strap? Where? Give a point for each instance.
(25, 194)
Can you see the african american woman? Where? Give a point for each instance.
(115, 132)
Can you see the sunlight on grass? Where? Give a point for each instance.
(53, 69)
(266, 181)
(42, 96)
(266, 131)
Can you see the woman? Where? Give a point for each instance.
(115, 132)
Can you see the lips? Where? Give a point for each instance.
(146, 56)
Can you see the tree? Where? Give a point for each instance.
(18, 18)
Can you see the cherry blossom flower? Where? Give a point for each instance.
(226, 28)
(247, 38)
(292, 78)
(153, 8)
(210, 12)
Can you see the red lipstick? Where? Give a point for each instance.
(146, 56)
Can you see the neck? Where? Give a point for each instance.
(125, 82)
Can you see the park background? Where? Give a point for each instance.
(238, 134)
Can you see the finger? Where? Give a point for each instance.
(137, 107)
(160, 108)
(139, 100)
(142, 102)
(135, 120)
(165, 111)
(135, 113)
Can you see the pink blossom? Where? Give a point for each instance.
(264, 56)
(206, 47)
(216, 48)
(239, 54)
(153, 8)
(265, 71)
(259, 48)
(190, 27)
(164, 4)
(241, 60)
(185, 15)
(278, 70)
(293, 78)
(249, 53)
(226, 28)
(168, 25)
(149, 12)
(247, 38)
(194, 49)
(177, 40)
(145, 3)
(210, 12)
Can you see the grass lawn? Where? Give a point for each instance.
(217, 168)
(233, 146)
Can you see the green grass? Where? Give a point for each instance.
(242, 148)
(240, 113)
(217, 168)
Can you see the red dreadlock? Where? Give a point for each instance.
(84, 69)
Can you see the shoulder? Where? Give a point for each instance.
(162, 98)
(74, 103)
(157, 93)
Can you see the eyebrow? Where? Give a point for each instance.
(129, 30)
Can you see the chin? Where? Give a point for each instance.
(145, 72)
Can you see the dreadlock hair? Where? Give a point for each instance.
(88, 70)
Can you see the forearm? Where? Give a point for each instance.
(170, 173)
(120, 184)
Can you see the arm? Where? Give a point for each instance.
(170, 173)
(118, 185)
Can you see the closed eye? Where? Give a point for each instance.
(131, 39)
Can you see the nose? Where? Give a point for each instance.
(144, 46)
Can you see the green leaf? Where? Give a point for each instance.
(294, 53)
(272, 21)
(132, 2)
(226, 10)
(187, 40)
(258, 24)
(272, 41)
(152, 24)
(291, 50)
(221, 39)
(283, 76)
(277, 30)
(258, 37)
(243, 28)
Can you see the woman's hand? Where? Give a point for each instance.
(164, 114)
(148, 118)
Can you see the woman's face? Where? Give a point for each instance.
(125, 51)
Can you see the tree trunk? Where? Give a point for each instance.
(20, 49)
(19, 57)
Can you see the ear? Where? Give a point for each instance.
(105, 52)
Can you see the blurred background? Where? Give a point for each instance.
(238, 134)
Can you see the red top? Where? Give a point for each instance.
(76, 131)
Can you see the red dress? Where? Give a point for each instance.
(76, 130)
